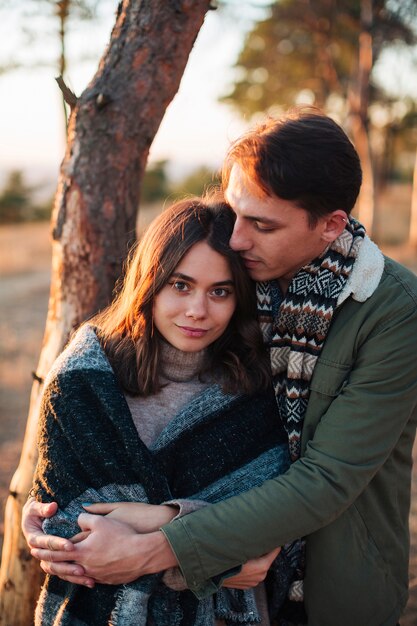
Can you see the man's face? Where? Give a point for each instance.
(273, 235)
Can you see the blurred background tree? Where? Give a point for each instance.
(16, 199)
(155, 185)
(17, 203)
(327, 53)
(197, 182)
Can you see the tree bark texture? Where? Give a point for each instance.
(110, 131)
(413, 216)
(358, 103)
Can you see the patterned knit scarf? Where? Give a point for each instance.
(295, 326)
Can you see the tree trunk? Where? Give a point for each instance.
(366, 198)
(62, 11)
(358, 104)
(109, 135)
(413, 217)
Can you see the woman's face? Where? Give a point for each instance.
(196, 305)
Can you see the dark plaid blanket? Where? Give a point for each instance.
(89, 451)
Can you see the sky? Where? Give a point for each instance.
(196, 129)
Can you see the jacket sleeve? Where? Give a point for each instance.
(353, 439)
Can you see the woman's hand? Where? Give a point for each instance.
(33, 515)
(253, 572)
(112, 552)
(143, 518)
(57, 554)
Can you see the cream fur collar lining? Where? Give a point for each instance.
(366, 273)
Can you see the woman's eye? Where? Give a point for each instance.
(180, 285)
(220, 292)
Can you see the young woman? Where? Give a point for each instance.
(163, 398)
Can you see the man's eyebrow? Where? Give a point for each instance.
(264, 220)
(190, 279)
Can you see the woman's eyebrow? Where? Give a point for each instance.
(183, 277)
(223, 282)
(190, 279)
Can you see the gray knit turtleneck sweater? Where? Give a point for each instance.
(179, 377)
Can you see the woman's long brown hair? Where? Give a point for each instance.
(126, 328)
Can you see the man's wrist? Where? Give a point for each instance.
(156, 552)
(171, 511)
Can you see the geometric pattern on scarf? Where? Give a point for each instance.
(295, 326)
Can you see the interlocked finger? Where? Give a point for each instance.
(49, 542)
(49, 555)
(71, 572)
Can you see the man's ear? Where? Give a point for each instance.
(333, 225)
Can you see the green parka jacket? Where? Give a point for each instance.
(349, 493)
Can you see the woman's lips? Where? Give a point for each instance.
(193, 332)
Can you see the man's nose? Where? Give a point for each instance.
(239, 240)
(197, 307)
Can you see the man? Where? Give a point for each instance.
(340, 323)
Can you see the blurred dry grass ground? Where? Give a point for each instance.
(24, 286)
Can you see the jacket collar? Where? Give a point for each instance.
(366, 273)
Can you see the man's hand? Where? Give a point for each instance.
(112, 552)
(144, 518)
(253, 572)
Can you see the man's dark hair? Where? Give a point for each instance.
(305, 157)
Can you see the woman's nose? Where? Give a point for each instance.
(197, 307)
